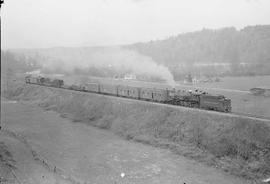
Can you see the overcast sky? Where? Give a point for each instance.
(50, 23)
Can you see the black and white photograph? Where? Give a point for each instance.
(135, 92)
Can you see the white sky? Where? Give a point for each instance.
(50, 23)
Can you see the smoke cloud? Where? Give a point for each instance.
(69, 60)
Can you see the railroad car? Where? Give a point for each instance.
(57, 83)
(122, 91)
(44, 81)
(108, 89)
(31, 80)
(39, 80)
(129, 92)
(48, 82)
(146, 94)
(28, 79)
(77, 87)
(160, 95)
(134, 92)
(92, 87)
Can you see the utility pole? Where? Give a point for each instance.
(1, 2)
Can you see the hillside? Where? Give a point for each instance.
(239, 52)
(238, 145)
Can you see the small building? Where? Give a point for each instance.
(130, 77)
(263, 91)
(35, 72)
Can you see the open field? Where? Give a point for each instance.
(236, 144)
(239, 83)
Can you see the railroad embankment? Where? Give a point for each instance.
(238, 145)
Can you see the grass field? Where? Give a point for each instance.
(239, 83)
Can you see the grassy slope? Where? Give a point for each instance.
(6, 163)
(238, 145)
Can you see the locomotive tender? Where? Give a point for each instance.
(197, 99)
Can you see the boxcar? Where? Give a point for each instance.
(160, 95)
(129, 92)
(39, 80)
(108, 89)
(57, 83)
(45, 81)
(122, 91)
(92, 87)
(146, 94)
(134, 92)
(76, 87)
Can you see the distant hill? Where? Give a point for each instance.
(249, 48)
(249, 45)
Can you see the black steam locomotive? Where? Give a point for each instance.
(196, 99)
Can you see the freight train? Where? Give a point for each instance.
(196, 99)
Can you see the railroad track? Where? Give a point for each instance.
(252, 116)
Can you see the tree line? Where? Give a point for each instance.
(242, 52)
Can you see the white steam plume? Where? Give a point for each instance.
(122, 59)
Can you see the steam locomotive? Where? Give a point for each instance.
(196, 99)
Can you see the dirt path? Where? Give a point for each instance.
(90, 155)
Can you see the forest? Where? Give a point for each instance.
(225, 51)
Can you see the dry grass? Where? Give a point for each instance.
(238, 145)
(6, 158)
